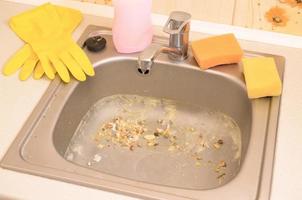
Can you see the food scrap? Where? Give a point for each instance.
(220, 170)
(132, 134)
(220, 166)
(125, 133)
(218, 144)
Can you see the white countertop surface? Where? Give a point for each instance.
(18, 99)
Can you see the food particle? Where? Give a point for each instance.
(149, 137)
(197, 163)
(160, 121)
(172, 148)
(97, 158)
(192, 129)
(218, 144)
(220, 166)
(150, 144)
(220, 177)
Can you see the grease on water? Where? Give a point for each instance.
(158, 141)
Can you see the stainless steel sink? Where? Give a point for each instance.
(40, 148)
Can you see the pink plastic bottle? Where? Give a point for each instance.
(132, 27)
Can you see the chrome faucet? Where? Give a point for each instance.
(178, 26)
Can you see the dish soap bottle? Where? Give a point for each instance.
(132, 27)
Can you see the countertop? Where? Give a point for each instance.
(18, 99)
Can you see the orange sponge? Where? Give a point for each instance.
(217, 50)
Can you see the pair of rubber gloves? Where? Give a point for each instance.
(50, 48)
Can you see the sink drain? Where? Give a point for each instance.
(144, 72)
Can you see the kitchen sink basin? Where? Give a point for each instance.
(62, 139)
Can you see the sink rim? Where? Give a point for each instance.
(14, 163)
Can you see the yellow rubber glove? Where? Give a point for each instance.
(44, 30)
(27, 60)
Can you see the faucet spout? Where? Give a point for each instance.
(147, 57)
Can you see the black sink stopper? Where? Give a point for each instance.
(95, 44)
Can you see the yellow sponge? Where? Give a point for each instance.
(261, 76)
(217, 50)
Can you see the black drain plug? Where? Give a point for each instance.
(95, 44)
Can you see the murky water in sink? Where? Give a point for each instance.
(158, 141)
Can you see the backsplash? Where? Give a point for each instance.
(273, 15)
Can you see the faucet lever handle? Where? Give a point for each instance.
(176, 22)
